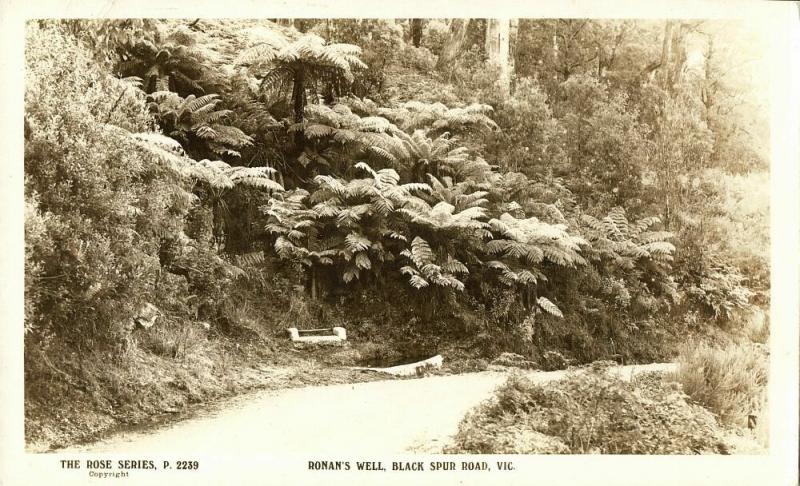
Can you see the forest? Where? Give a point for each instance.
(556, 191)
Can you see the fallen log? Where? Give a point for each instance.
(407, 369)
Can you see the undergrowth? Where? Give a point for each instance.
(594, 412)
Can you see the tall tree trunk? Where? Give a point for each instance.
(453, 44)
(512, 45)
(678, 51)
(667, 41)
(503, 57)
(492, 42)
(666, 44)
(498, 37)
(416, 31)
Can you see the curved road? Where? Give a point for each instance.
(397, 416)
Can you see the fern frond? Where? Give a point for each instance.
(549, 307)
(350, 274)
(193, 104)
(659, 247)
(617, 215)
(260, 53)
(318, 131)
(357, 242)
(417, 186)
(150, 139)
(250, 259)
(408, 270)
(421, 253)
(526, 277)
(362, 261)
(213, 116)
(395, 236)
(231, 136)
(651, 237)
(331, 183)
(382, 153)
(645, 223)
(206, 132)
(418, 282)
(446, 280)
(254, 177)
(454, 266)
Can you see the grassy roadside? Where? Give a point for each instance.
(700, 408)
(73, 398)
(77, 393)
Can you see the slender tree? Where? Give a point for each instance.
(416, 31)
(498, 36)
(453, 44)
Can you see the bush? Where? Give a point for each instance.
(91, 204)
(740, 229)
(529, 135)
(553, 360)
(589, 412)
(105, 216)
(730, 381)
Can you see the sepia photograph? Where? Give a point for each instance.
(395, 244)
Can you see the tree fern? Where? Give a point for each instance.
(635, 262)
(615, 238)
(442, 217)
(195, 120)
(171, 61)
(303, 61)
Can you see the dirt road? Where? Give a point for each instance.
(416, 415)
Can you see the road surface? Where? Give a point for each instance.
(418, 415)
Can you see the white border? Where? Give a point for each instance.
(779, 467)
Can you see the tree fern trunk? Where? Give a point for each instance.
(313, 283)
(299, 94)
(299, 105)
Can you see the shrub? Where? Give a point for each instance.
(420, 59)
(730, 381)
(529, 138)
(589, 412)
(91, 205)
(553, 360)
(720, 292)
(104, 214)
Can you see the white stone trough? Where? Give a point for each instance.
(417, 368)
(333, 336)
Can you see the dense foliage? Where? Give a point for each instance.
(179, 162)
